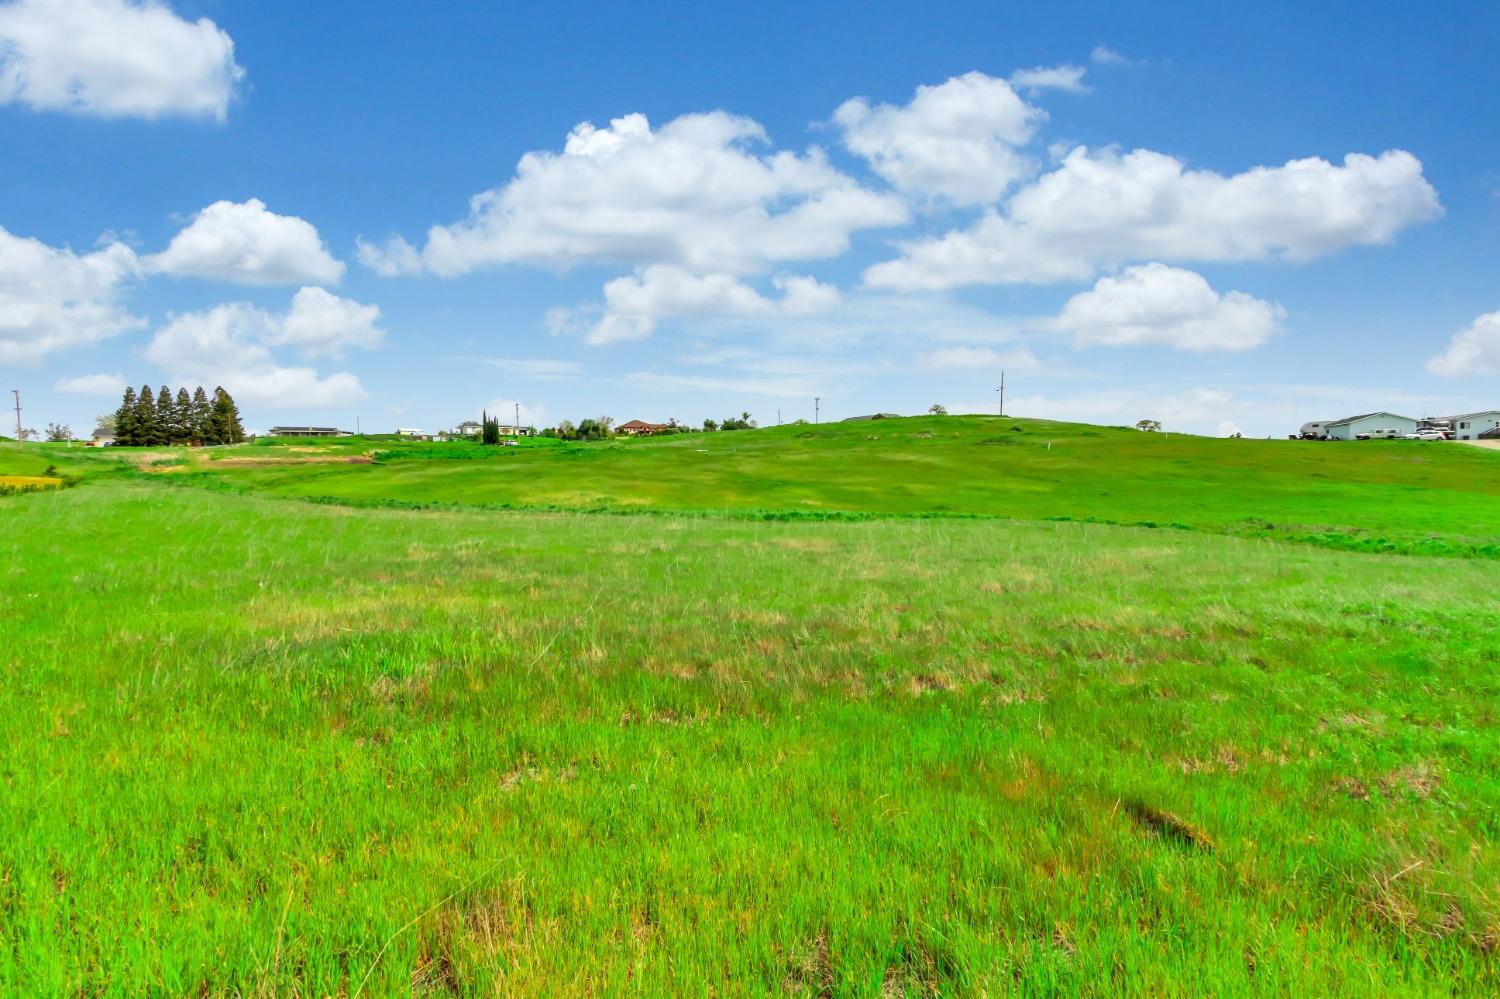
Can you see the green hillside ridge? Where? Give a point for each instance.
(1401, 495)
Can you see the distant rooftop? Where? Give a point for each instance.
(308, 432)
(1365, 416)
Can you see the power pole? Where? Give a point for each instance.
(817, 409)
(1002, 393)
(518, 420)
(17, 394)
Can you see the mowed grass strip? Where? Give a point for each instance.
(256, 746)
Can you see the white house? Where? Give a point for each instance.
(1385, 424)
(1470, 426)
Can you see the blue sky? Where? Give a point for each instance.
(400, 214)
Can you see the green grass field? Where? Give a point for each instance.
(253, 745)
(1403, 494)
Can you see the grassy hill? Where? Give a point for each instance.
(1400, 495)
(250, 745)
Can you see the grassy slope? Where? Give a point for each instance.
(245, 744)
(1398, 489)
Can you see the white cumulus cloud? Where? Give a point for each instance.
(634, 305)
(1103, 55)
(230, 345)
(249, 244)
(806, 296)
(114, 58)
(323, 324)
(695, 193)
(99, 384)
(1157, 304)
(984, 359)
(1474, 350)
(959, 141)
(1101, 208)
(1065, 77)
(52, 299)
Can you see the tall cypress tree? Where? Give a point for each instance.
(166, 416)
(182, 418)
(224, 423)
(147, 428)
(125, 426)
(236, 427)
(215, 433)
(199, 418)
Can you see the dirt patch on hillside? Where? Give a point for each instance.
(1490, 445)
(330, 459)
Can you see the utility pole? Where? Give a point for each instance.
(817, 409)
(358, 432)
(17, 394)
(1002, 393)
(517, 426)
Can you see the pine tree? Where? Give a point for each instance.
(224, 420)
(147, 428)
(199, 417)
(215, 431)
(126, 433)
(237, 429)
(166, 416)
(490, 434)
(182, 418)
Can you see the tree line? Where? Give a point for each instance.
(145, 419)
(603, 427)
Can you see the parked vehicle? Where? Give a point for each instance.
(1427, 435)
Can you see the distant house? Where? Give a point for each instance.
(308, 432)
(412, 432)
(872, 416)
(1352, 427)
(473, 428)
(640, 428)
(102, 438)
(1474, 426)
